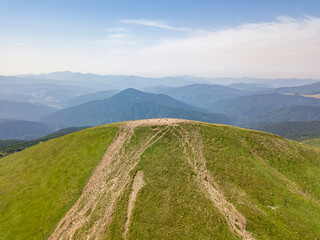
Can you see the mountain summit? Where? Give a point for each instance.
(130, 104)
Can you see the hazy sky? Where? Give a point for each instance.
(231, 38)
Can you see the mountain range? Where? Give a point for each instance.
(130, 104)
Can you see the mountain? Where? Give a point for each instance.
(200, 95)
(162, 179)
(113, 81)
(294, 113)
(47, 92)
(23, 130)
(23, 111)
(254, 108)
(130, 104)
(298, 131)
(125, 81)
(298, 89)
(89, 97)
(251, 87)
(8, 142)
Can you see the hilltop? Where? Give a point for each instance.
(162, 179)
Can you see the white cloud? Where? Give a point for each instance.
(149, 23)
(286, 47)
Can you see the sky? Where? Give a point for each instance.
(156, 38)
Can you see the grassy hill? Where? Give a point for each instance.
(130, 104)
(315, 142)
(162, 179)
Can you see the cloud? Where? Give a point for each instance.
(285, 47)
(149, 23)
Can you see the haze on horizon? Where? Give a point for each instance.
(162, 38)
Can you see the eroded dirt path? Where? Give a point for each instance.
(92, 212)
(138, 183)
(193, 149)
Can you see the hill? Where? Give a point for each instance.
(162, 179)
(255, 108)
(298, 89)
(130, 104)
(251, 87)
(42, 91)
(200, 95)
(23, 130)
(298, 131)
(8, 142)
(293, 114)
(315, 142)
(23, 111)
(89, 97)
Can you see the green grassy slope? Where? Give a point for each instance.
(271, 182)
(39, 184)
(315, 142)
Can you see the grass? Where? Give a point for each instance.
(170, 206)
(247, 166)
(313, 142)
(39, 184)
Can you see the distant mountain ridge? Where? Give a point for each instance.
(298, 131)
(23, 130)
(89, 97)
(255, 108)
(23, 111)
(201, 95)
(130, 104)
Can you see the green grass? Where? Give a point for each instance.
(247, 165)
(39, 184)
(313, 142)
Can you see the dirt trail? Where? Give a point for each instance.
(138, 183)
(90, 215)
(193, 151)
